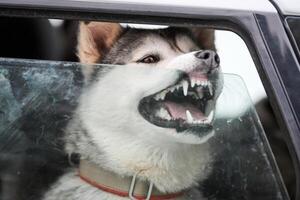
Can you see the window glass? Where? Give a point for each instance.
(294, 23)
(45, 105)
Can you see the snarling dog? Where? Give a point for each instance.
(142, 128)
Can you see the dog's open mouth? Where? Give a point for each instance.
(187, 104)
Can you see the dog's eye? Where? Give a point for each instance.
(149, 59)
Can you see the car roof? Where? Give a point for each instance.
(252, 5)
(289, 7)
(152, 5)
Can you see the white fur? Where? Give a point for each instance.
(125, 142)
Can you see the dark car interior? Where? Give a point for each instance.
(37, 39)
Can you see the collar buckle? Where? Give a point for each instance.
(132, 185)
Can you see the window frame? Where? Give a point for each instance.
(258, 29)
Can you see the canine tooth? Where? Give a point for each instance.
(189, 116)
(172, 89)
(210, 89)
(185, 86)
(210, 117)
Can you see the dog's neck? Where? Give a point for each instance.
(122, 186)
(171, 169)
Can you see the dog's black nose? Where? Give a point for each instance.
(209, 56)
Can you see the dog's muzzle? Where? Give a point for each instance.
(190, 102)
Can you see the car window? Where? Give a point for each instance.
(56, 115)
(38, 99)
(293, 23)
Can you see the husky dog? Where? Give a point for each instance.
(142, 128)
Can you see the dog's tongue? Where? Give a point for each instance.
(178, 111)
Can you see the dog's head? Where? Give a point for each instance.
(166, 87)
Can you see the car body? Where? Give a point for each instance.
(265, 26)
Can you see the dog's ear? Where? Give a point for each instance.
(94, 40)
(205, 37)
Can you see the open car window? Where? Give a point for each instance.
(38, 99)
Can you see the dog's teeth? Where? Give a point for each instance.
(193, 82)
(210, 88)
(163, 95)
(163, 113)
(172, 89)
(157, 97)
(198, 122)
(189, 116)
(185, 86)
(160, 96)
(210, 117)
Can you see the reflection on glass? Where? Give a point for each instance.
(44, 105)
